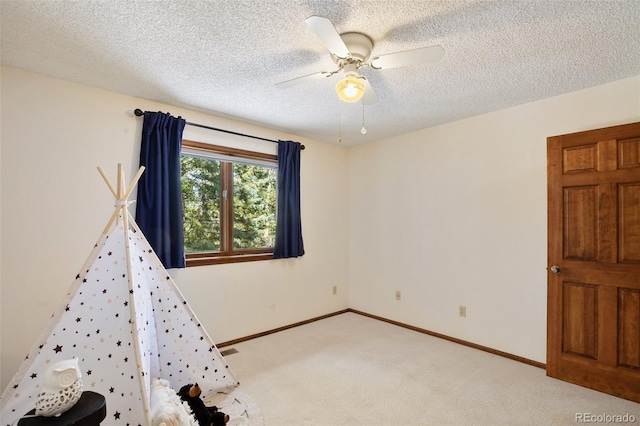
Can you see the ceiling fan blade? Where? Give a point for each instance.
(303, 79)
(408, 57)
(369, 96)
(326, 32)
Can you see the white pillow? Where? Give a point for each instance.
(167, 409)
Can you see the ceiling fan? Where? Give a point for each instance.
(352, 51)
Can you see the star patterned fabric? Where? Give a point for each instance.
(126, 322)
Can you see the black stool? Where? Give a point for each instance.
(90, 410)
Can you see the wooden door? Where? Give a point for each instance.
(593, 307)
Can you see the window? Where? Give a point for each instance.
(229, 202)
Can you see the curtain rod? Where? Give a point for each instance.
(139, 113)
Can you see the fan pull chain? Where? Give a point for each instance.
(363, 130)
(339, 124)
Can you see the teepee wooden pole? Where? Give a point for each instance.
(121, 194)
(114, 216)
(123, 198)
(116, 212)
(143, 381)
(120, 184)
(133, 183)
(107, 181)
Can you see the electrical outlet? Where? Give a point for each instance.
(398, 295)
(462, 311)
(335, 289)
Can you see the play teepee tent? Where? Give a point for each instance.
(127, 323)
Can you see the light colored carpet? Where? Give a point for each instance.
(354, 370)
(238, 405)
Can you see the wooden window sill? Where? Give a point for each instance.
(202, 259)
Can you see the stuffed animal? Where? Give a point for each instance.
(205, 416)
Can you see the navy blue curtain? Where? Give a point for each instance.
(288, 221)
(159, 201)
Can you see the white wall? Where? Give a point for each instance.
(456, 215)
(451, 215)
(54, 205)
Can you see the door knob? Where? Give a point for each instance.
(555, 269)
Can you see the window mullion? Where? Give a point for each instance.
(226, 177)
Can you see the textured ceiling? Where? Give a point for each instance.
(224, 57)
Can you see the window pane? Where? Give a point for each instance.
(254, 206)
(201, 199)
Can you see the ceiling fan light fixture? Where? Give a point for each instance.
(350, 88)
